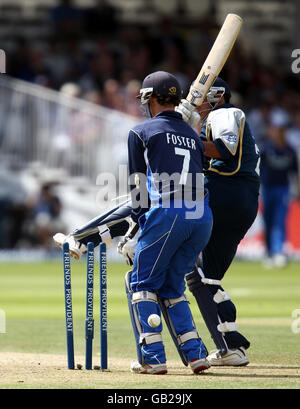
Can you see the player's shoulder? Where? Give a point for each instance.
(138, 131)
(191, 131)
(150, 124)
(138, 128)
(227, 113)
(162, 123)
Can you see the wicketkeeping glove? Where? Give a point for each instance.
(188, 113)
(76, 248)
(128, 250)
(127, 246)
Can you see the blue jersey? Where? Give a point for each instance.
(227, 127)
(170, 153)
(277, 164)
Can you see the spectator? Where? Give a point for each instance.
(293, 133)
(95, 55)
(27, 63)
(278, 164)
(19, 60)
(57, 62)
(260, 117)
(93, 96)
(71, 90)
(13, 211)
(66, 19)
(101, 19)
(132, 105)
(45, 216)
(102, 68)
(112, 98)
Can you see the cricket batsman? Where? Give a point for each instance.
(232, 179)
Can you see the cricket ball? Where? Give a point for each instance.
(153, 320)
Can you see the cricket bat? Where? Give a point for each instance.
(215, 59)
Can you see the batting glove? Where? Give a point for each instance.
(189, 115)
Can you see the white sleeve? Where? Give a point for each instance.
(226, 124)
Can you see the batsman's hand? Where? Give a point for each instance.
(189, 115)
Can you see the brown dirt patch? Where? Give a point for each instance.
(24, 370)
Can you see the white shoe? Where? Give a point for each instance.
(199, 365)
(279, 260)
(233, 357)
(76, 248)
(154, 369)
(268, 263)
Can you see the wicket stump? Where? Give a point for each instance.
(68, 305)
(89, 316)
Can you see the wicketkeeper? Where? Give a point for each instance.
(165, 158)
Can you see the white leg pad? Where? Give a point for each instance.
(170, 311)
(150, 338)
(187, 336)
(143, 296)
(173, 301)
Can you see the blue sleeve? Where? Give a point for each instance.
(223, 151)
(137, 164)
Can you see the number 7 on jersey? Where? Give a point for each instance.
(186, 164)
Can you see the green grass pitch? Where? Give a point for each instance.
(32, 298)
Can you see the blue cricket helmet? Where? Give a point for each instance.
(159, 84)
(219, 82)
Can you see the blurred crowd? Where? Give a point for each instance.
(29, 221)
(93, 55)
(106, 60)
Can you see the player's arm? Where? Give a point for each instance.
(211, 150)
(103, 228)
(224, 129)
(137, 174)
(139, 194)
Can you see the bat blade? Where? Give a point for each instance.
(215, 59)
